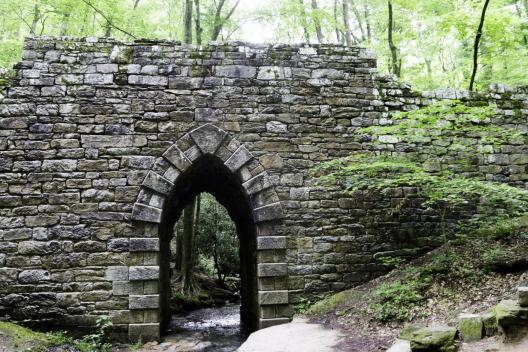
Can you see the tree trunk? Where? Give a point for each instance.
(304, 24)
(64, 24)
(477, 44)
(108, 30)
(395, 64)
(367, 21)
(216, 259)
(337, 31)
(136, 3)
(317, 23)
(36, 18)
(187, 248)
(359, 20)
(218, 23)
(178, 255)
(197, 22)
(187, 22)
(346, 20)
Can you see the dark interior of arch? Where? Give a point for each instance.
(209, 174)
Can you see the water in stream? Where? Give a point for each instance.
(206, 330)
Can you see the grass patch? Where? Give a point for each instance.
(329, 303)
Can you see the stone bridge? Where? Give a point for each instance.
(103, 143)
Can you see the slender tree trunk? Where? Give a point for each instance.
(197, 22)
(477, 44)
(108, 30)
(216, 258)
(136, 3)
(64, 24)
(187, 22)
(395, 64)
(337, 31)
(317, 23)
(36, 18)
(346, 21)
(304, 22)
(187, 247)
(178, 255)
(358, 18)
(367, 21)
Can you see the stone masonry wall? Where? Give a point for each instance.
(94, 134)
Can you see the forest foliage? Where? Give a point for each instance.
(427, 43)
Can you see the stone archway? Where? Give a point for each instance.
(207, 159)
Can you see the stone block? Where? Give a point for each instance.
(269, 212)
(146, 213)
(240, 157)
(208, 138)
(236, 71)
(137, 273)
(157, 183)
(272, 269)
(208, 115)
(143, 302)
(34, 276)
(177, 158)
(116, 273)
(470, 327)
(273, 297)
(271, 242)
(144, 245)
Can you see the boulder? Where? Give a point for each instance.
(512, 320)
(431, 339)
(470, 327)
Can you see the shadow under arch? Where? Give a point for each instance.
(209, 174)
(207, 159)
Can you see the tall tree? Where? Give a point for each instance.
(304, 22)
(187, 265)
(336, 23)
(197, 22)
(219, 20)
(187, 22)
(346, 20)
(477, 44)
(395, 63)
(317, 22)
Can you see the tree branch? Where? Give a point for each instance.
(108, 20)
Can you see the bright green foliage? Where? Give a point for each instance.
(96, 341)
(453, 134)
(434, 37)
(216, 240)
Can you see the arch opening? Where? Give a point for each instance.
(209, 174)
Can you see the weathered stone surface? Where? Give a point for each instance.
(271, 242)
(273, 297)
(143, 273)
(144, 244)
(146, 213)
(238, 158)
(34, 276)
(470, 327)
(208, 138)
(157, 183)
(143, 301)
(269, 212)
(95, 133)
(427, 339)
(176, 157)
(272, 269)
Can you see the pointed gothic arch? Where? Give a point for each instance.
(205, 159)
